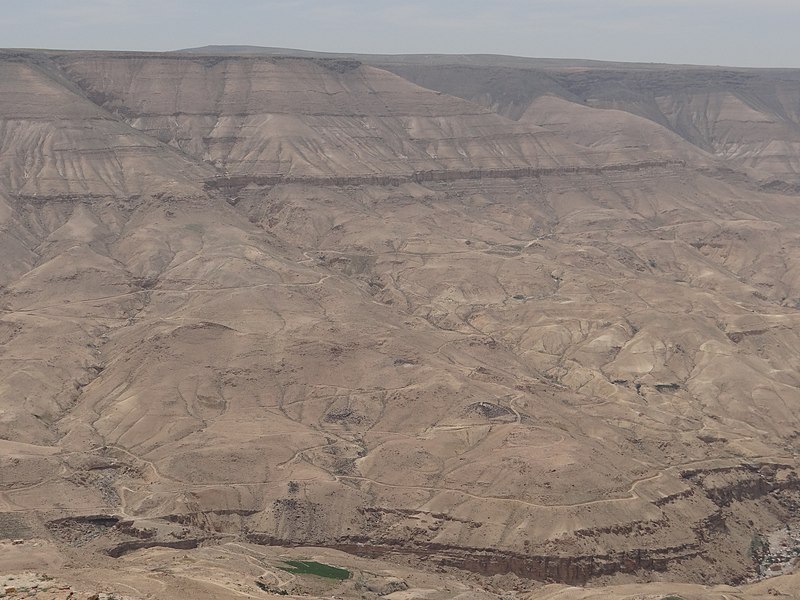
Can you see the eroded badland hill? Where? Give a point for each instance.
(462, 328)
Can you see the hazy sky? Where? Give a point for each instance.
(729, 32)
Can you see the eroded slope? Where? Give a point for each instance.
(564, 374)
(54, 141)
(747, 117)
(261, 116)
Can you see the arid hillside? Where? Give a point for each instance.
(747, 117)
(252, 304)
(750, 118)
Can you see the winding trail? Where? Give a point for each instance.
(632, 492)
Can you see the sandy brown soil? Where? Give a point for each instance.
(254, 305)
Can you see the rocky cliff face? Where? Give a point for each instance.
(262, 116)
(54, 141)
(746, 117)
(721, 502)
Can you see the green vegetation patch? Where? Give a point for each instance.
(310, 567)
